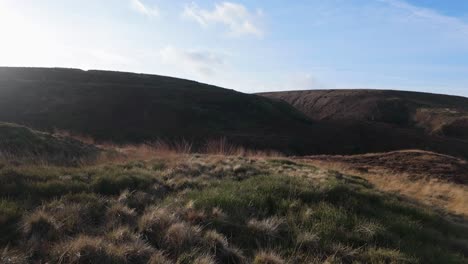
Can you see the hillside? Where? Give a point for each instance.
(436, 114)
(413, 163)
(214, 209)
(436, 180)
(21, 144)
(132, 108)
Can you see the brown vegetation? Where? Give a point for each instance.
(429, 178)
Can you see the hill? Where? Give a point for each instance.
(21, 144)
(132, 108)
(436, 114)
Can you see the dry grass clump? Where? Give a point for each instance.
(8, 256)
(154, 223)
(380, 255)
(219, 247)
(78, 213)
(343, 252)
(159, 258)
(137, 200)
(118, 215)
(215, 240)
(268, 257)
(85, 249)
(122, 234)
(217, 214)
(269, 227)
(368, 230)
(137, 251)
(40, 226)
(205, 259)
(307, 241)
(181, 237)
(192, 215)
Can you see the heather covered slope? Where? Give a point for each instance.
(135, 108)
(436, 114)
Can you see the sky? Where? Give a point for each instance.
(249, 46)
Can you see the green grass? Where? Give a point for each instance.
(24, 145)
(340, 212)
(231, 210)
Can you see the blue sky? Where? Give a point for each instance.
(250, 46)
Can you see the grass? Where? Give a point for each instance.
(24, 146)
(448, 197)
(214, 209)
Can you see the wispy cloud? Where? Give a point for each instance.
(238, 19)
(143, 9)
(429, 15)
(204, 63)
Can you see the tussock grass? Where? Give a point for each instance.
(9, 256)
(215, 209)
(264, 257)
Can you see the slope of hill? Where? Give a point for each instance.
(130, 108)
(135, 108)
(439, 181)
(21, 144)
(206, 209)
(413, 163)
(436, 114)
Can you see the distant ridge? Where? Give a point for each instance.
(436, 114)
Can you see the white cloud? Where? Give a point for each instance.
(202, 63)
(238, 19)
(143, 9)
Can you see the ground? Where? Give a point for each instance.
(193, 208)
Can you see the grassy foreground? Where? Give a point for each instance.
(213, 209)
